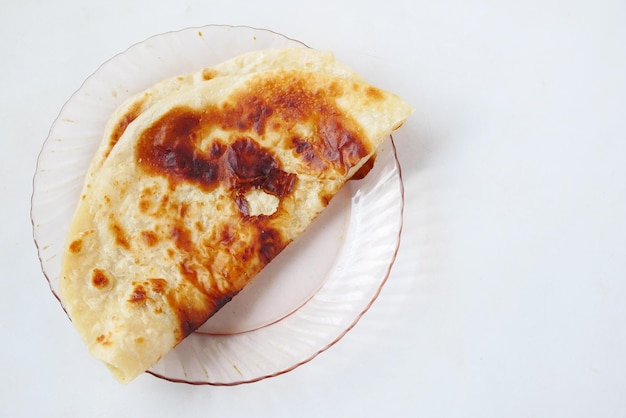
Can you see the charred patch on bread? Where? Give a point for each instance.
(269, 243)
(240, 165)
(170, 147)
(248, 165)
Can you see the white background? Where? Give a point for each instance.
(508, 297)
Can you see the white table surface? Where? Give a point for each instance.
(508, 297)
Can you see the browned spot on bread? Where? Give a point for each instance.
(326, 198)
(104, 339)
(183, 209)
(158, 285)
(268, 244)
(144, 205)
(374, 93)
(138, 295)
(308, 153)
(226, 234)
(242, 204)
(99, 279)
(76, 246)
(146, 199)
(208, 74)
(121, 238)
(149, 238)
(182, 238)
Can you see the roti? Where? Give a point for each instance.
(204, 187)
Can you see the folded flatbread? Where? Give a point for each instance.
(202, 189)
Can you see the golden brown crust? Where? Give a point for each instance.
(255, 61)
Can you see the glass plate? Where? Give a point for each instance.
(302, 302)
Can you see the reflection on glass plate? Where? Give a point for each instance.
(307, 298)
